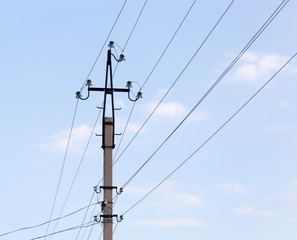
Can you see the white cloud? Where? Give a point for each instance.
(284, 104)
(291, 198)
(254, 67)
(172, 200)
(174, 110)
(289, 129)
(170, 222)
(131, 128)
(161, 92)
(198, 116)
(168, 110)
(132, 190)
(286, 205)
(119, 103)
(58, 141)
(232, 188)
(250, 209)
(175, 201)
(168, 197)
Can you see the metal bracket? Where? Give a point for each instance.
(103, 216)
(108, 187)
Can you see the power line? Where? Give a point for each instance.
(92, 68)
(97, 117)
(130, 179)
(77, 171)
(62, 168)
(165, 95)
(91, 217)
(156, 64)
(76, 108)
(169, 43)
(207, 140)
(82, 223)
(89, 224)
(263, 27)
(135, 25)
(41, 224)
(125, 128)
(128, 39)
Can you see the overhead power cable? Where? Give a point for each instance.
(130, 179)
(156, 64)
(264, 26)
(84, 84)
(208, 139)
(78, 168)
(62, 168)
(89, 224)
(128, 39)
(91, 217)
(76, 108)
(82, 223)
(177, 77)
(134, 26)
(103, 46)
(169, 43)
(41, 224)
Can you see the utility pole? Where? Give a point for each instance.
(107, 205)
(108, 135)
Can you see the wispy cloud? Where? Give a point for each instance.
(134, 190)
(289, 129)
(284, 204)
(168, 110)
(168, 197)
(58, 141)
(255, 67)
(132, 127)
(284, 104)
(173, 200)
(170, 222)
(232, 188)
(253, 209)
(173, 110)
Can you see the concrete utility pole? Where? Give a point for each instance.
(108, 133)
(108, 189)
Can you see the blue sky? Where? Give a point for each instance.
(241, 185)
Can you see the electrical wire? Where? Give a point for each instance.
(141, 11)
(67, 229)
(208, 139)
(158, 61)
(164, 51)
(123, 49)
(82, 224)
(92, 215)
(41, 224)
(169, 43)
(130, 179)
(78, 168)
(95, 62)
(161, 145)
(62, 168)
(255, 37)
(173, 84)
(128, 39)
(125, 128)
(84, 84)
(90, 231)
(100, 235)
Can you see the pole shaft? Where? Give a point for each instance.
(108, 222)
